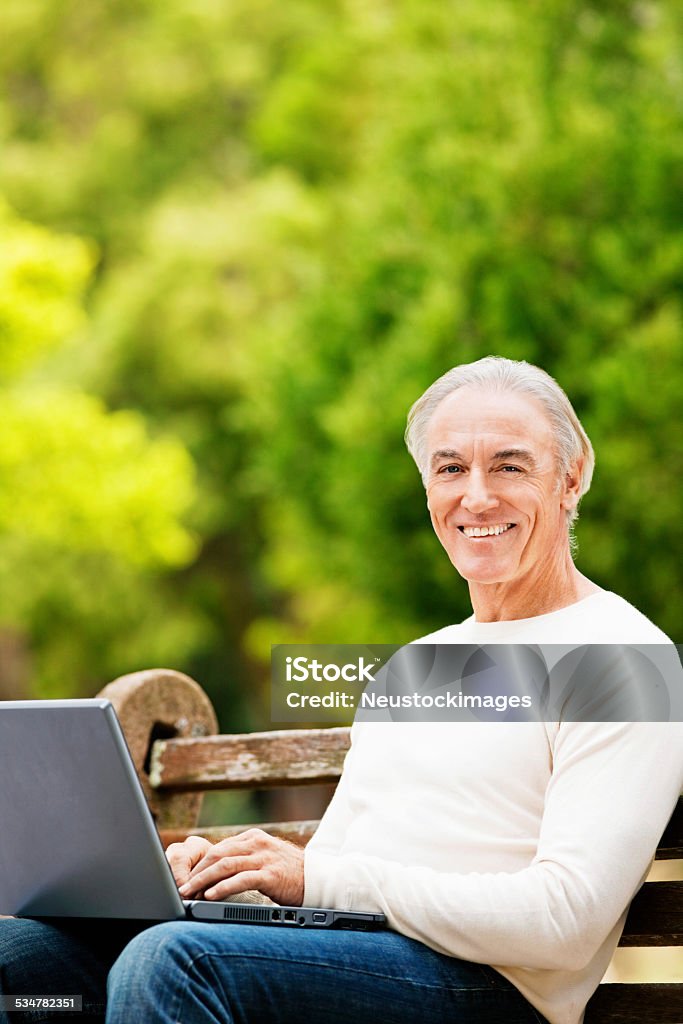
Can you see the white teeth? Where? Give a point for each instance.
(486, 531)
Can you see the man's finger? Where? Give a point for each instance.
(234, 846)
(183, 856)
(242, 882)
(224, 868)
(179, 860)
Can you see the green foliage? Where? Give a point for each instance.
(77, 476)
(42, 279)
(90, 505)
(517, 203)
(304, 213)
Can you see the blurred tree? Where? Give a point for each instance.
(91, 507)
(517, 193)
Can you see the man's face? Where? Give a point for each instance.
(492, 466)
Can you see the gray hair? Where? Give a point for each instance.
(497, 373)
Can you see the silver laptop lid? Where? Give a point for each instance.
(77, 838)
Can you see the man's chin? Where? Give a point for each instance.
(484, 570)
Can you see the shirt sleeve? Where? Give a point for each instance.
(612, 790)
(329, 835)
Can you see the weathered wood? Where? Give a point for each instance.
(655, 917)
(298, 832)
(671, 843)
(154, 704)
(260, 759)
(287, 757)
(636, 1004)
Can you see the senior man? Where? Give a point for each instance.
(504, 855)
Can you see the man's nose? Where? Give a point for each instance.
(478, 496)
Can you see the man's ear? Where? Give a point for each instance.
(571, 485)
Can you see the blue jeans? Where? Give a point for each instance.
(191, 973)
(65, 957)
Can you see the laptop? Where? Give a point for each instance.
(77, 838)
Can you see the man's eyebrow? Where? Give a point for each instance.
(445, 453)
(519, 454)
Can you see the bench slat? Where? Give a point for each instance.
(671, 843)
(298, 832)
(655, 917)
(286, 757)
(636, 1004)
(259, 759)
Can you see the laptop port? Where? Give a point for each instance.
(275, 915)
(318, 917)
(290, 915)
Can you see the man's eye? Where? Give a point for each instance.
(515, 469)
(450, 469)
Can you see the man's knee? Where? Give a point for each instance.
(23, 947)
(167, 974)
(155, 953)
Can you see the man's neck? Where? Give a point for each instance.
(524, 599)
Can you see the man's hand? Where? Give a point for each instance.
(250, 860)
(184, 856)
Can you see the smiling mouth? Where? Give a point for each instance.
(495, 530)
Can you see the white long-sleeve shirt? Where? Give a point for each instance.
(514, 844)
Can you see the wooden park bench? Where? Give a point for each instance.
(170, 726)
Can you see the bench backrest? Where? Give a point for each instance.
(169, 724)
